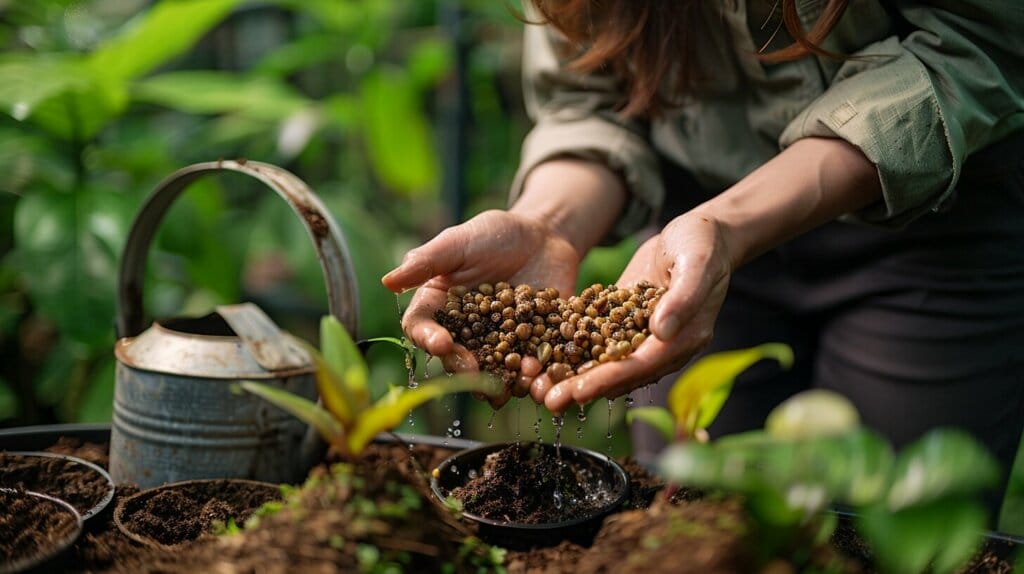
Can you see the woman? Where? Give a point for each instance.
(742, 129)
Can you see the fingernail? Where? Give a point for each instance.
(668, 327)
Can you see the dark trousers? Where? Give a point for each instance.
(920, 328)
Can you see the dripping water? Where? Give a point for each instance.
(536, 423)
(410, 362)
(519, 420)
(490, 422)
(608, 434)
(581, 417)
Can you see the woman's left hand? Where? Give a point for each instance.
(691, 259)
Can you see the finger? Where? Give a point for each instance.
(419, 324)
(499, 400)
(460, 360)
(689, 284)
(540, 387)
(528, 370)
(642, 266)
(521, 386)
(442, 255)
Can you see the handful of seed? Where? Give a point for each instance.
(500, 324)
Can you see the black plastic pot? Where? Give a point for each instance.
(524, 536)
(86, 514)
(189, 488)
(47, 556)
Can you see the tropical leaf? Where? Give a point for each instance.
(301, 408)
(812, 413)
(700, 391)
(342, 355)
(658, 417)
(391, 410)
(945, 462)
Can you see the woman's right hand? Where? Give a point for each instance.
(493, 246)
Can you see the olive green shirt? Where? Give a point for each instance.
(917, 104)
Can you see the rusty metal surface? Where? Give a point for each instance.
(339, 276)
(265, 342)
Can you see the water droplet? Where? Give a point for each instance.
(457, 432)
(558, 500)
(490, 423)
(456, 423)
(455, 469)
(471, 473)
(581, 415)
(630, 400)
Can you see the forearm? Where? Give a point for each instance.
(812, 182)
(580, 200)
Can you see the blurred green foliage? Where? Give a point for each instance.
(101, 99)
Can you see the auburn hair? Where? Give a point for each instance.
(646, 43)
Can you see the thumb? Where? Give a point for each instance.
(441, 255)
(687, 290)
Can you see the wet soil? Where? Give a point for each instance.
(172, 515)
(74, 483)
(379, 510)
(29, 526)
(526, 485)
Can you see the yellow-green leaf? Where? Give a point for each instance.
(658, 417)
(334, 393)
(700, 391)
(342, 355)
(305, 410)
(392, 409)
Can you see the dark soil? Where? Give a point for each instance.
(330, 525)
(526, 485)
(171, 516)
(74, 483)
(30, 525)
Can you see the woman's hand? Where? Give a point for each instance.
(691, 259)
(566, 206)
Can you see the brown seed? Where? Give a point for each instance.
(614, 352)
(492, 338)
(592, 311)
(558, 353)
(580, 337)
(478, 328)
(466, 334)
(554, 319)
(503, 347)
(541, 306)
(604, 358)
(537, 320)
(499, 357)
(572, 350)
(624, 347)
(473, 317)
(637, 340)
(597, 350)
(539, 330)
(617, 315)
(452, 306)
(508, 325)
(459, 290)
(597, 287)
(544, 353)
(523, 312)
(587, 294)
(596, 339)
(506, 297)
(523, 331)
(567, 331)
(485, 306)
(578, 306)
(558, 372)
(552, 293)
(607, 329)
(512, 361)
(496, 318)
(486, 289)
(501, 286)
(470, 308)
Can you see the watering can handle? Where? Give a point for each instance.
(342, 297)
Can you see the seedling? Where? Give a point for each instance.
(918, 511)
(348, 419)
(700, 391)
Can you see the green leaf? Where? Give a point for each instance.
(700, 391)
(658, 417)
(209, 92)
(429, 61)
(301, 408)
(391, 410)
(343, 357)
(945, 462)
(25, 82)
(939, 537)
(8, 401)
(398, 135)
(169, 29)
(812, 413)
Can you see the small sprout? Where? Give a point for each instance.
(453, 504)
(348, 419)
(336, 541)
(229, 528)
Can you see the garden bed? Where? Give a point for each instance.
(379, 512)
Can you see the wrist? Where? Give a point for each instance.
(575, 199)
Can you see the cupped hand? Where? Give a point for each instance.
(691, 259)
(493, 246)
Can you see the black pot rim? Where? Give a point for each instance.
(435, 487)
(119, 510)
(99, 506)
(52, 551)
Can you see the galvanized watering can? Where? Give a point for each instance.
(175, 415)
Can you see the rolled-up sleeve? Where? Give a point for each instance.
(574, 116)
(917, 107)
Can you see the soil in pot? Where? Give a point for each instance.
(33, 528)
(529, 483)
(73, 481)
(177, 513)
